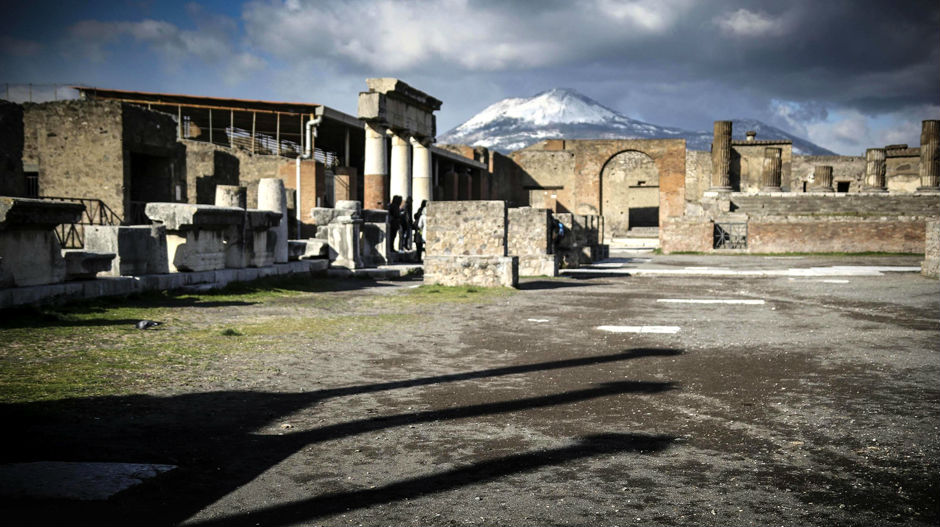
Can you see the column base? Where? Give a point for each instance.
(876, 189)
(928, 190)
(772, 189)
(822, 189)
(720, 189)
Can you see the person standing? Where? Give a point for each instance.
(394, 219)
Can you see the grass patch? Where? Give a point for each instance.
(425, 294)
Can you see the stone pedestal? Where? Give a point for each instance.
(236, 255)
(259, 249)
(272, 196)
(422, 179)
(375, 171)
(770, 171)
(375, 246)
(721, 157)
(822, 178)
(344, 236)
(875, 170)
(140, 249)
(28, 244)
(929, 157)
(195, 233)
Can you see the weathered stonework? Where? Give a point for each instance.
(12, 181)
(930, 156)
(470, 228)
(721, 157)
(28, 245)
(140, 250)
(479, 271)
(529, 236)
(931, 265)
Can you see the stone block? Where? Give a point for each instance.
(84, 265)
(529, 231)
(375, 244)
(481, 271)
(539, 265)
(139, 249)
(467, 228)
(315, 248)
(31, 256)
(344, 240)
(37, 213)
(185, 216)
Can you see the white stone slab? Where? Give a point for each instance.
(711, 301)
(640, 329)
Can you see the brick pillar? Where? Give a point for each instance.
(770, 171)
(875, 170)
(929, 157)
(822, 175)
(721, 157)
(375, 174)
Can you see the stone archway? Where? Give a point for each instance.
(629, 192)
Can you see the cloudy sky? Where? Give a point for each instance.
(846, 74)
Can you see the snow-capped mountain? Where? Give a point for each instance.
(515, 123)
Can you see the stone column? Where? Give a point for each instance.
(375, 173)
(929, 157)
(422, 180)
(401, 166)
(721, 157)
(822, 176)
(272, 196)
(770, 173)
(875, 170)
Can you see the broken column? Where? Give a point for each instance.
(822, 176)
(770, 171)
(466, 245)
(422, 179)
(401, 166)
(272, 196)
(875, 170)
(721, 157)
(29, 247)
(929, 157)
(375, 174)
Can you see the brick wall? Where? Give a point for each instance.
(850, 169)
(679, 235)
(474, 228)
(771, 235)
(800, 204)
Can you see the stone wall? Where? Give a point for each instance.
(473, 228)
(11, 150)
(778, 235)
(698, 174)
(78, 148)
(902, 169)
(529, 231)
(687, 235)
(836, 204)
(846, 169)
(480, 271)
(747, 160)
(931, 265)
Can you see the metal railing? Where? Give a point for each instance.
(730, 236)
(97, 212)
(21, 93)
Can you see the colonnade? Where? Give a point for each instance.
(410, 171)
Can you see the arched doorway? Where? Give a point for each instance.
(629, 193)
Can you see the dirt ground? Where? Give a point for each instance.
(820, 406)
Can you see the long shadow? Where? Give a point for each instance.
(537, 285)
(213, 437)
(334, 503)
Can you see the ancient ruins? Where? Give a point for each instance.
(121, 191)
